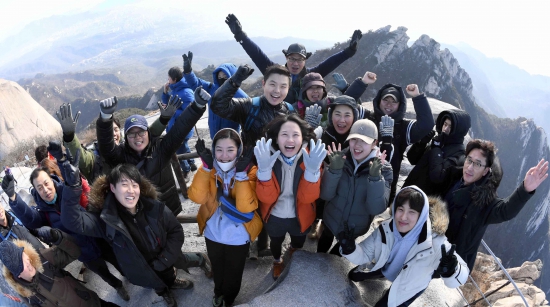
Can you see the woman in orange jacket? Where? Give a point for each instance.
(225, 187)
(288, 182)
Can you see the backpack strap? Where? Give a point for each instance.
(290, 107)
(252, 113)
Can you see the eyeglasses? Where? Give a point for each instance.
(134, 134)
(477, 165)
(296, 60)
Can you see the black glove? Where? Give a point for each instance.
(166, 112)
(205, 154)
(243, 72)
(426, 139)
(49, 235)
(8, 184)
(354, 40)
(346, 239)
(448, 263)
(54, 148)
(235, 27)
(71, 172)
(438, 140)
(245, 160)
(187, 59)
(68, 123)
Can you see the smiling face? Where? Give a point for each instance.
(225, 150)
(389, 105)
(127, 193)
(116, 133)
(475, 166)
(44, 186)
(28, 269)
(289, 139)
(405, 217)
(295, 62)
(138, 139)
(315, 93)
(447, 125)
(276, 88)
(342, 118)
(359, 149)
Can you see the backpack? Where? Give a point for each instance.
(253, 112)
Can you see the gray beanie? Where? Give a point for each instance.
(12, 257)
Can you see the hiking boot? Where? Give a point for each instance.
(187, 176)
(169, 298)
(121, 291)
(193, 167)
(316, 231)
(182, 283)
(278, 268)
(291, 251)
(253, 251)
(218, 301)
(206, 266)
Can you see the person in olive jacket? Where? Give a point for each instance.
(150, 154)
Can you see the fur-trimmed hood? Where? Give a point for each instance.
(101, 188)
(36, 263)
(439, 216)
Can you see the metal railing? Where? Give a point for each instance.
(510, 280)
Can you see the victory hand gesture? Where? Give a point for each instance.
(535, 176)
(447, 266)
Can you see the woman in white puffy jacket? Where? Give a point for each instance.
(407, 249)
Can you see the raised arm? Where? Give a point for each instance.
(424, 118)
(332, 62)
(416, 151)
(112, 154)
(224, 105)
(259, 58)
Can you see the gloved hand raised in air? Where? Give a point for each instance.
(341, 82)
(49, 235)
(201, 97)
(67, 121)
(168, 110)
(243, 72)
(265, 159)
(69, 167)
(244, 162)
(8, 184)
(235, 27)
(313, 160)
(187, 59)
(205, 154)
(313, 116)
(448, 263)
(107, 107)
(355, 37)
(55, 149)
(336, 157)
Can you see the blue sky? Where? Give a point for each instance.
(514, 31)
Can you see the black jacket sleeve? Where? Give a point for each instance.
(416, 151)
(225, 106)
(439, 166)
(331, 63)
(111, 153)
(356, 89)
(174, 239)
(506, 209)
(424, 120)
(256, 54)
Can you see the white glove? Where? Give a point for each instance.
(265, 159)
(107, 107)
(313, 160)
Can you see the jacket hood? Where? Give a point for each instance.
(460, 125)
(485, 189)
(439, 215)
(36, 263)
(228, 68)
(101, 188)
(397, 115)
(346, 101)
(239, 150)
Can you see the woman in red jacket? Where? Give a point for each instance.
(288, 182)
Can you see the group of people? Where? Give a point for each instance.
(294, 161)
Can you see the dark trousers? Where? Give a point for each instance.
(168, 276)
(99, 266)
(383, 302)
(277, 228)
(325, 242)
(228, 266)
(107, 304)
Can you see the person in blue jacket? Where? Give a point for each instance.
(176, 85)
(296, 56)
(219, 76)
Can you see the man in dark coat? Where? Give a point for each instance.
(433, 163)
(472, 198)
(37, 275)
(295, 55)
(150, 154)
(390, 100)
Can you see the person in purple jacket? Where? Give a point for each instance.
(296, 56)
